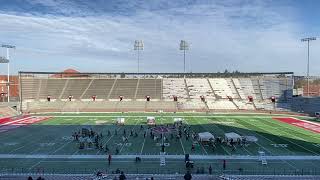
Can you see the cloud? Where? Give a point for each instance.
(99, 36)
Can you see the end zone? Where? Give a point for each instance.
(9, 123)
(314, 127)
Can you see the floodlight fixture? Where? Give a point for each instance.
(8, 47)
(184, 46)
(308, 39)
(138, 46)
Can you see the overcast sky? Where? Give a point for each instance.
(98, 35)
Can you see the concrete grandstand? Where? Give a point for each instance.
(198, 92)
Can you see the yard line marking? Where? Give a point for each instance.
(296, 130)
(291, 141)
(129, 136)
(143, 145)
(271, 141)
(58, 149)
(258, 134)
(104, 144)
(200, 143)
(184, 152)
(226, 150)
(34, 165)
(57, 140)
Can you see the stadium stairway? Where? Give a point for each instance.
(187, 89)
(235, 105)
(215, 95)
(206, 105)
(234, 86)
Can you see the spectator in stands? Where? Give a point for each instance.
(122, 176)
(30, 178)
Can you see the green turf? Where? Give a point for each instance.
(53, 137)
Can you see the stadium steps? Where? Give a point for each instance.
(259, 87)
(234, 86)
(84, 92)
(254, 105)
(187, 89)
(206, 105)
(64, 88)
(137, 87)
(235, 105)
(114, 83)
(39, 89)
(256, 89)
(215, 95)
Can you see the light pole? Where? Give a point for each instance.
(308, 77)
(184, 46)
(138, 46)
(8, 47)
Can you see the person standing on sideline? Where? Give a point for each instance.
(109, 159)
(210, 169)
(187, 176)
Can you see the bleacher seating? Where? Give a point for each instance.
(174, 87)
(199, 87)
(75, 87)
(223, 87)
(100, 88)
(188, 90)
(257, 88)
(150, 87)
(30, 87)
(277, 87)
(124, 87)
(52, 87)
(246, 86)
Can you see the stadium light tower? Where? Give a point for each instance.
(8, 47)
(183, 47)
(138, 46)
(308, 77)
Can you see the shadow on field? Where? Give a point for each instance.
(58, 140)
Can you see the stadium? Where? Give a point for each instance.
(160, 124)
(165, 90)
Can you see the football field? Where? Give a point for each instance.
(49, 145)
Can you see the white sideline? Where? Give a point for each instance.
(199, 157)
